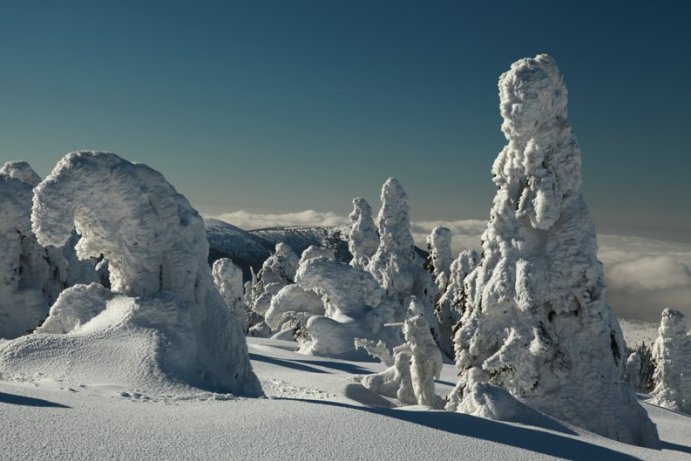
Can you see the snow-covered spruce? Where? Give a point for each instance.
(156, 247)
(395, 264)
(536, 321)
(439, 259)
(228, 279)
(277, 271)
(451, 304)
(672, 355)
(21, 171)
(363, 240)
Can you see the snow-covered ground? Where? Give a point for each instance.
(314, 409)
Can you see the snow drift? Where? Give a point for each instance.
(536, 322)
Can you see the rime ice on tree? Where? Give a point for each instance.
(672, 355)
(449, 308)
(157, 250)
(536, 321)
(439, 261)
(228, 279)
(362, 239)
(396, 265)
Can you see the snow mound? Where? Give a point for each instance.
(536, 322)
(156, 248)
(148, 343)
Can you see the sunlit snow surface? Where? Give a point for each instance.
(314, 409)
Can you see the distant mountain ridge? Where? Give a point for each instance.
(249, 249)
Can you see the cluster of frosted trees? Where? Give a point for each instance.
(526, 321)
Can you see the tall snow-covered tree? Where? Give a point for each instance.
(363, 240)
(672, 355)
(536, 321)
(439, 259)
(157, 250)
(228, 279)
(396, 265)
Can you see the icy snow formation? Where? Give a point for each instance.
(292, 298)
(363, 240)
(355, 307)
(21, 171)
(450, 305)
(23, 269)
(536, 321)
(314, 251)
(416, 364)
(395, 264)
(154, 242)
(228, 279)
(672, 355)
(439, 247)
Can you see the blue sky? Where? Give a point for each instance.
(273, 106)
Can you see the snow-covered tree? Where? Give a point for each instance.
(23, 270)
(228, 279)
(536, 322)
(451, 304)
(157, 250)
(355, 306)
(363, 240)
(415, 365)
(439, 259)
(396, 265)
(672, 355)
(21, 171)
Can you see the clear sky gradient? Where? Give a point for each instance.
(271, 106)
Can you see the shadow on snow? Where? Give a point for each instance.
(546, 443)
(14, 399)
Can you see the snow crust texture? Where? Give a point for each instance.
(154, 242)
(536, 322)
(672, 355)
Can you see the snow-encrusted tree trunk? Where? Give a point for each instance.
(363, 240)
(536, 321)
(395, 264)
(451, 304)
(439, 259)
(672, 355)
(154, 242)
(228, 279)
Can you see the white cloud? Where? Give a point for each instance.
(643, 275)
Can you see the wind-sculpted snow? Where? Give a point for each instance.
(355, 307)
(536, 322)
(363, 240)
(672, 355)
(154, 242)
(21, 171)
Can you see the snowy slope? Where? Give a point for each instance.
(314, 409)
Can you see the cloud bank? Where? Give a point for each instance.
(643, 275)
